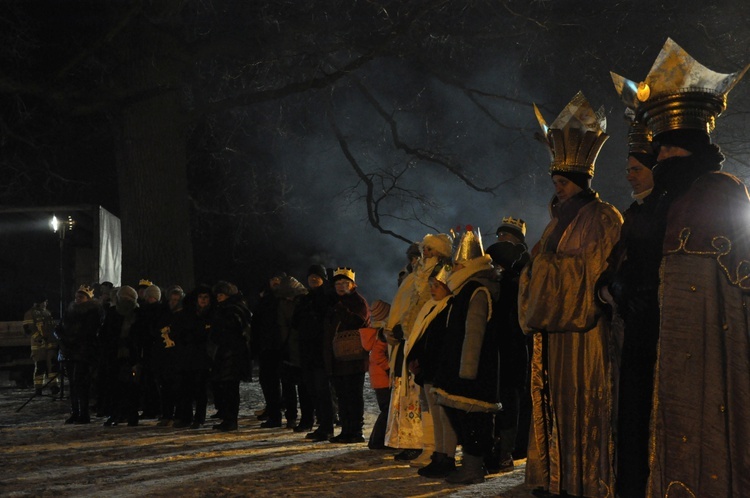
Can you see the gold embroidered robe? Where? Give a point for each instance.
(570, 440)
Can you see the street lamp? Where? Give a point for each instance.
(60, 227)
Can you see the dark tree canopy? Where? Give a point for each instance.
(182, 116)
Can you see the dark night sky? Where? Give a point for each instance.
(546, 62)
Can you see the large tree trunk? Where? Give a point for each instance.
(151, 162)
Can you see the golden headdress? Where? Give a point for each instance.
(85, 289)
(343, 272)
(469, 246)
(575, 137)
(441, 272)
(678, 92)
(513, 225)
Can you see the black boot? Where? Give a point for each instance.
(440, 467)
(471, 471)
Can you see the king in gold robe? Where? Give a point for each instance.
(570, 441)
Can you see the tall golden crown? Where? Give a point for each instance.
(469, 246)
(517, 223)
(575, 137)
(678, 92)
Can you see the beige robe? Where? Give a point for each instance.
(570, 442)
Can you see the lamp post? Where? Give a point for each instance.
(60, 227)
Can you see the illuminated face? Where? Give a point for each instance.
(666, 151)
(438, 290)
(343, 286)
(203, 301)
(640, 177)
(314, 281)
(428, 252)
(564, 188)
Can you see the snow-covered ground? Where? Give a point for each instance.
(40, 456)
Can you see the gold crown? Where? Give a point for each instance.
(639, 139)
(85, 289)
(469, 246)
(145, 282)
(517, 223)
(575, 138)
(343, 271)
(678, 92)
(441, 272)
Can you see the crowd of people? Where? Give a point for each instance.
(614, 355)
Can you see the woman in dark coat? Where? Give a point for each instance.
(78, 350)
(350, 312)
(231, 359)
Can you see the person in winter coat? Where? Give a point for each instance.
(509, 255)
(467, 383)
(309, 319)
(350, 312)
(77, 335)
(122, 357)
(39, 326)
(167, 353)
(289, 292)
(193, 324)
(230, 362)
(375, 343)
(266, 341)
(424, 359)
(149, 319)
(630, 286)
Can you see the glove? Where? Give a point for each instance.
(398, 332)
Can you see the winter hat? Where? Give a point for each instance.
(224, 287)
(176, 289)
(580, 179)
(379, 310)
(647, 160)
(152, 291)
(127, 292)
(694, 141)
(440, 243)
(318, 270)
(289, 287)
(85, 289)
